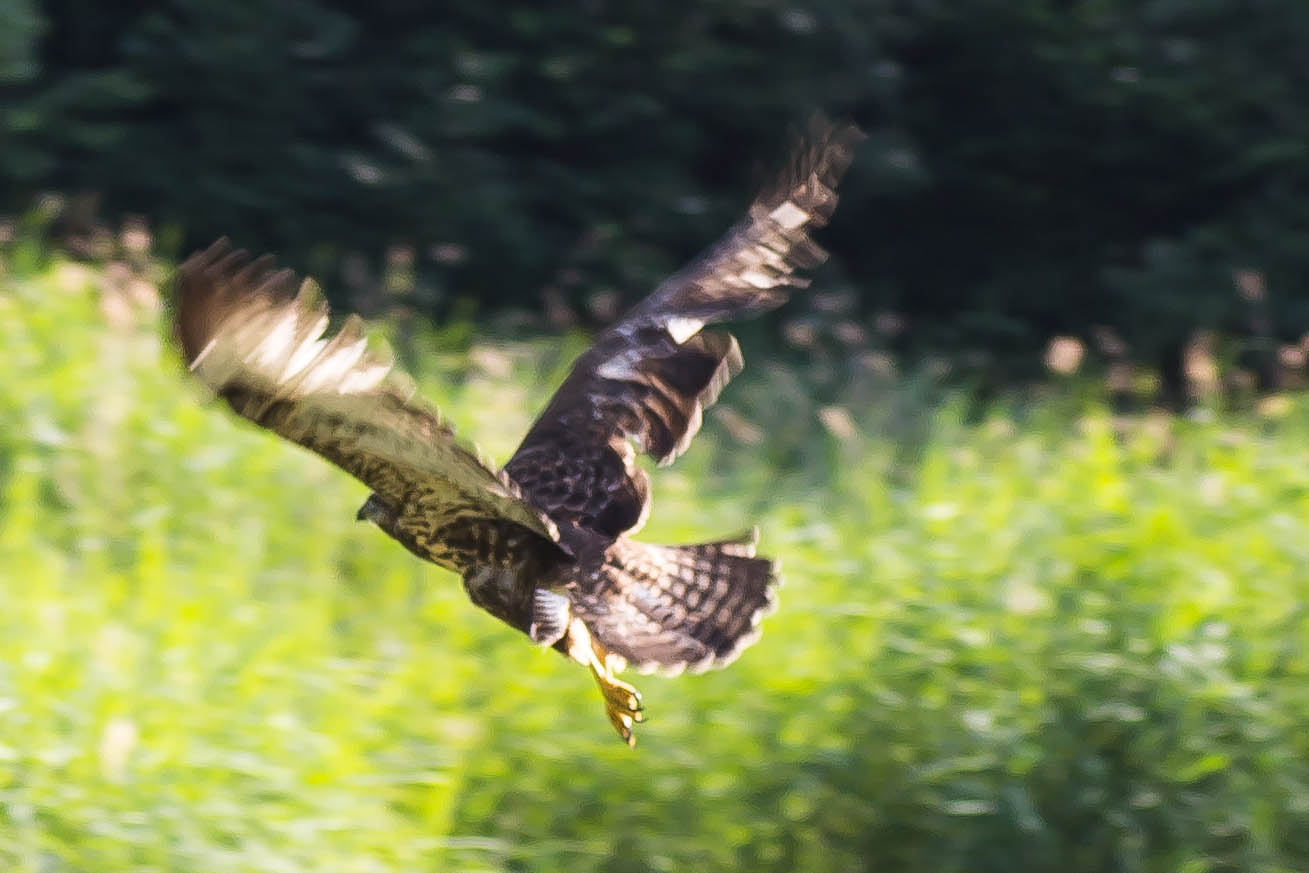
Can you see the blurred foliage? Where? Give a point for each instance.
(1037, 637)
(1034, 167)
(20, 26)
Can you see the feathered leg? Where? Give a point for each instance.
(622, 701)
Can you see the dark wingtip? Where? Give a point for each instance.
(835, 140)
(193, 308)
(207, 283)
(821, 153)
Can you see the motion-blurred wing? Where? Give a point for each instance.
(649, 378)
(751, 268)
(260, 346)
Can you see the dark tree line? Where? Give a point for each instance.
(1033, 167)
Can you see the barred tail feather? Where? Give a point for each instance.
(675, 608)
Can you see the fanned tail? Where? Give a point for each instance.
(675, 608)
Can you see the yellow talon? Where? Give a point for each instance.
(622, 704)
(622, 701)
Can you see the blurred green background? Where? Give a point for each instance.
(1034, 453)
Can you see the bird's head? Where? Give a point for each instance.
(376, 510)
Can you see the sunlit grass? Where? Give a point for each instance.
(1040, 636)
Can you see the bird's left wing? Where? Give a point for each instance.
(259, 345)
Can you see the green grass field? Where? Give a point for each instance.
(1031, 639)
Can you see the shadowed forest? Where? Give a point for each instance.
(1033, 451)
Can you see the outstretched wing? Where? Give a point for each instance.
(259, 345)
(648, 378)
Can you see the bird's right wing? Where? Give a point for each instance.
(756, 263)
(256, 343)
(648, 378)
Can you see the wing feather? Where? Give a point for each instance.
(252, 339)
(649, 378)
(752, 267)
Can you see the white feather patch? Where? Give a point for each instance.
(789, 216)
(364, 378)
(272, 347)
(682, 329)
(619, 368)
(334, 367)
(301, 357)
(758, 279)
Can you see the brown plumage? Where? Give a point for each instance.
(543, 544)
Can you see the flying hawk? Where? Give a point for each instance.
(544, 543)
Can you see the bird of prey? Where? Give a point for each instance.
(543, 544)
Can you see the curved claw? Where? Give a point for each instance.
(623, 705)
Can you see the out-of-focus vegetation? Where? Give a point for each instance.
(1033, 637)
(1035, 166)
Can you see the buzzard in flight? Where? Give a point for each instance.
(544, 543)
